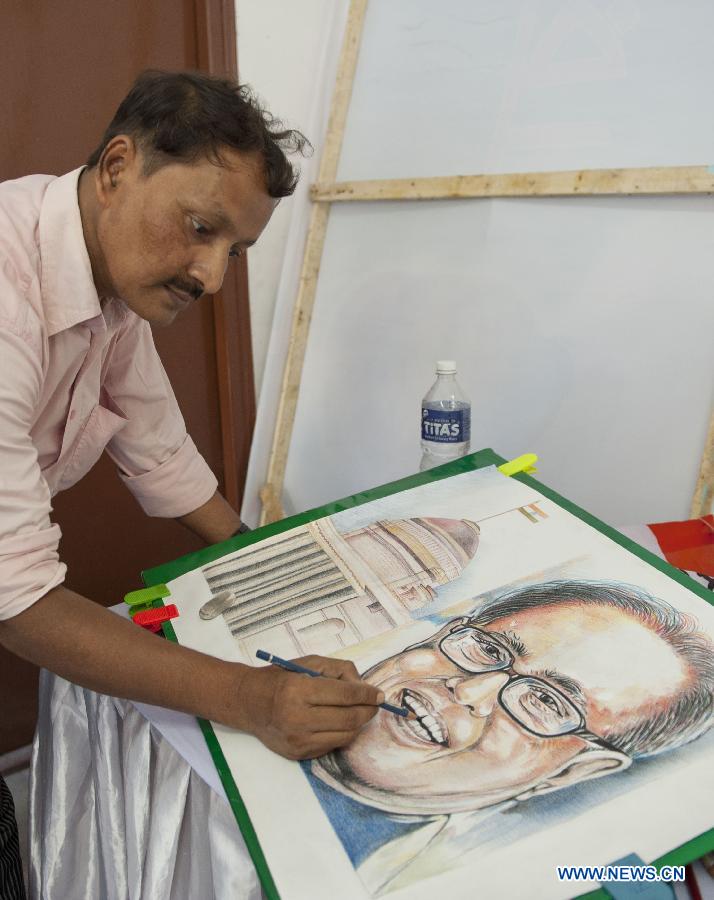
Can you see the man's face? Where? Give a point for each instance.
(465, 751)
(166, 238)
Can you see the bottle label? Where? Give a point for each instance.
(446, 426)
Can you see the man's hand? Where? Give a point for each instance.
(301, 717)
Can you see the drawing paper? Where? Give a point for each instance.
(562, 690)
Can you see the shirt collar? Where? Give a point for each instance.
(68, 293)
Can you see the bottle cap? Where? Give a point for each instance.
(446, 367)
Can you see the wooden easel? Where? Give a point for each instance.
(703, 502)
(585, 182)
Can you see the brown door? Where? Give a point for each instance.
(65, 67)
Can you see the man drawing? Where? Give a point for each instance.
(543, 688)
(187, 175)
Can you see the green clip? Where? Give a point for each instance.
(144, 597)
(525, 463)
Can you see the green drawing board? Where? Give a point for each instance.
(161, 574)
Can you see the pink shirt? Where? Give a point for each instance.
(76, 377)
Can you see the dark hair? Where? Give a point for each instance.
(689, 714)
(182, 116)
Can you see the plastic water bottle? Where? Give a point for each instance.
(445, 419)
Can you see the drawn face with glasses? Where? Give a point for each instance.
(535, 704)
(507, 709)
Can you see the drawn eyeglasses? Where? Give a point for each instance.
(534, 704)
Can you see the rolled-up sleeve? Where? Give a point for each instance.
(29, 561)
(156, 458)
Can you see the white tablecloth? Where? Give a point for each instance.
(116, 812)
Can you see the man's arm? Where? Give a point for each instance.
(295, 715)
(53, 627)
(215, 521)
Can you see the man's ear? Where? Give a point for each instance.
(585, 766)
(118, 158)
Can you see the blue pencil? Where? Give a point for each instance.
(296, 667)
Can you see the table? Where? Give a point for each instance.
(118, 813)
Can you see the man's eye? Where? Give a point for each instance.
(236, 251)
(491, 650)
(198, 227)
(473, 651)
(480, 651)
(548, 701)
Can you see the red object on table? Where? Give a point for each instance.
(154, 618)
(688, 545)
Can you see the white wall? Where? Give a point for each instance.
(582, 330)
(283, 51)
(582, 326)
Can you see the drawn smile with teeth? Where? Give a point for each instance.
(425, 725)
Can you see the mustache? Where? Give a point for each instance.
(186, 287)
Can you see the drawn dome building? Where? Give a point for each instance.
(414, 556)
(316, 590)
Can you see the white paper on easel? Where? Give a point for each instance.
(552, 672)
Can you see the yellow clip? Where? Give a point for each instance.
(524, 463)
